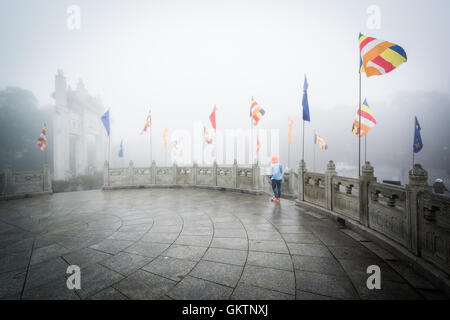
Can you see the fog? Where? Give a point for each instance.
(180, 58)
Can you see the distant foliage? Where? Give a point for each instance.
(79, 183)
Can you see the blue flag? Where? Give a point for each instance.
(418, 145)
(121, 149)
(105, 120)
(305, 102)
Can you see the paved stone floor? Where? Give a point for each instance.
(188, 244)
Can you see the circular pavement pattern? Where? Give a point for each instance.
(188, 244)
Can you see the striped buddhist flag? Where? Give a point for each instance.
(320, 142)
(42, 140)
(148, 122)
(379, 57)
(367, 120)
(256, 112)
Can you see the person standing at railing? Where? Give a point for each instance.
(276, 175)
(439, 186)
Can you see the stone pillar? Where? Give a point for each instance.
(47, 186)
(9, 183)
(214, 173)
(301, 180)
(106, 174)
(153, 170)
(255, 175)
(234, 173)
(291, 186)
(195, 168)
(418, 185)
(331, 171)
(367, 176)
(131, 172)
(175, 172)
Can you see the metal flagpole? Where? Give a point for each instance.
(151, 155)
(314, 154)
(303, 143)
(359, 128)
(251, 140)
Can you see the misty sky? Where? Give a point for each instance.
(182, 57)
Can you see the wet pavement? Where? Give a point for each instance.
(189, 244)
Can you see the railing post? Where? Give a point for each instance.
(331, 171)
(234, 174)
(47, 181)
(153, 169)
(106, 174)
(291, 181)
(195, 168)
(365, 179)
(301, 180)
(175, 172)
(131, 172)
(255, 175)
(214, 173)
(418, 184)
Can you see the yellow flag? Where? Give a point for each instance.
(290, 123)
(165, 137)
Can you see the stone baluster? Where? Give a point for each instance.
(255, 175)
(106, 174)
(291, 185)
(214, 173)
(365, 179)
(415, 189)
(131, 172)
(195, 168)
(47, 183)
(175, 172)
(301, 180)
(234, 173)
(331, 171)
(153, 171)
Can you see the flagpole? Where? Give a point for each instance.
(314, 154)
(251, 140)
(359, 128)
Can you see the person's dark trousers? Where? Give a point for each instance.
(276, 187)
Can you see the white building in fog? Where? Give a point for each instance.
(79, 140)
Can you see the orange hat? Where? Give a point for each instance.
(275, 159)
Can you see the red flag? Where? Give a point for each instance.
(212, 118)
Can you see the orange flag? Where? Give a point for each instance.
(290, 123)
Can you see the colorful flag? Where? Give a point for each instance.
(379, 57)
(367, 120)
(258, 146)
(207, 138)
(148, 122)
(42, 140)
(121, 149)
(165, 137)
(256, 112)
(418, 145)
(320, 142)
(105, 121)
(305, 103)
(290, 124)
(212, 118)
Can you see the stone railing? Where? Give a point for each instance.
(412, 216)
(226, 177)
(23, 183)
(223, 177)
